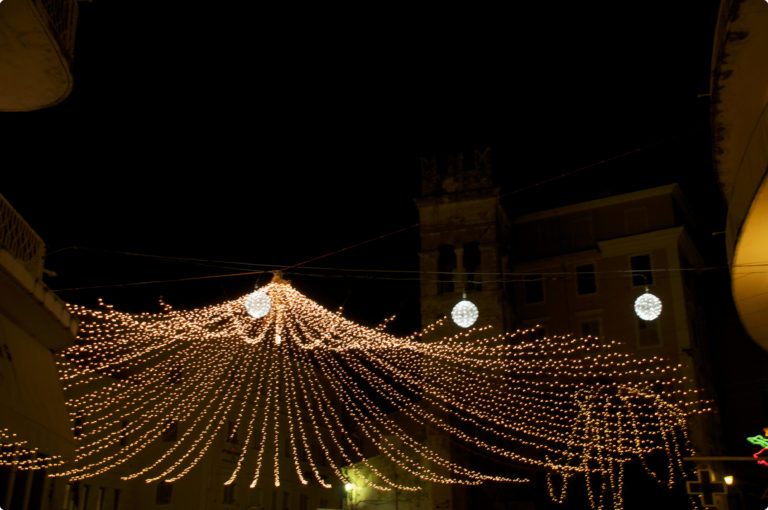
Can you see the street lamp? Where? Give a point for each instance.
(349, 487)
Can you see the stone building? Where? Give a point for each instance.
(575, 269)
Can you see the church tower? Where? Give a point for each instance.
(462, 237)
(463, 232)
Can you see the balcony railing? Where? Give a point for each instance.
(18, 238)
(62, 20)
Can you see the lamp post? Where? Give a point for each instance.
(349, 488)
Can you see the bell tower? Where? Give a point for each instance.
(463, 233)
(462, 237)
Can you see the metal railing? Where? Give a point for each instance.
(18, 238)
(62, 20)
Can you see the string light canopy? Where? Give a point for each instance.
(304, 383)
(648, 306)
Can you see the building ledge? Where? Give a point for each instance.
(30, 304)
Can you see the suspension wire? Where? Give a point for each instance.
(238, 266)
(362, 243)
(580, 169)
(371, 274)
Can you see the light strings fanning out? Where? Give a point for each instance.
(305, 383)
(16, 452)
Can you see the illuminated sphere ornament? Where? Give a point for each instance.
(648, 306)
(258, 304)
(465, 313)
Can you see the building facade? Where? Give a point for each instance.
(34, 423)
(575, 269)
(740, 151)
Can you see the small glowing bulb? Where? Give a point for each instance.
(465, 313)
(728, 480)
(349, 486)
(648, 306)
(278, 339)
(258, 304)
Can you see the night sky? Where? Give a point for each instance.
(230, 132)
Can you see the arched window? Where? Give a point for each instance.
(446, 265)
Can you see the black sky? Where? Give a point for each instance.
(230, 132)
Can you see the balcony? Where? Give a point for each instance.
(740, 143)
(37, 42)
(25, 299)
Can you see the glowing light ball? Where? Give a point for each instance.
(465, 313)
(648, 306)
(258, 304)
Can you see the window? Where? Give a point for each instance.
(229, 495)
(171, 430)
(123, 433)
(116, 500)
(86, 492)
(319, 454)
(648, 333)
(286, 499)
(537, 331)
(37, 489)
(446, 265)
(19, 489)
(174, 375)
(641, 270)
(302, 454)
(163, 494)
(534, 288)
(255, 497)
(71, 496)
(78, 429)
(590, 327)
(471, 265)
(100, 499)
(231, 432)
(5, 475)
(303, 502)
(585, 279)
